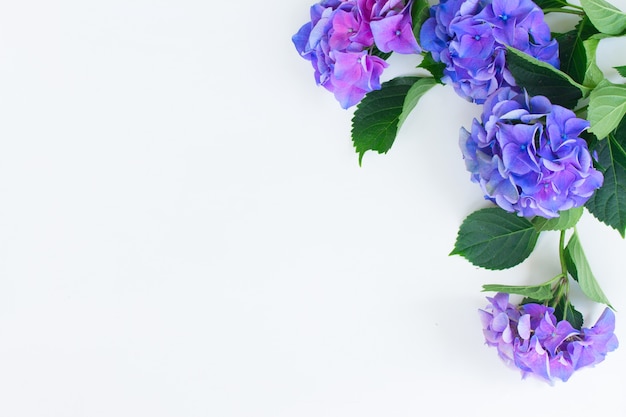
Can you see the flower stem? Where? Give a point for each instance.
(563, 283)
(562, 253)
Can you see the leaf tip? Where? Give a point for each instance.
(361, 159)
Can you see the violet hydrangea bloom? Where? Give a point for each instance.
(470, 38)
(341, 36)
(530, 338)
(528, 156)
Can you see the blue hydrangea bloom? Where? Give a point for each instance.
(340, 38)
(470, 38)
(530, 338)
(528, 156)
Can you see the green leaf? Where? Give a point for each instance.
(608, 203)
(540, 78)
(621, 70)
(566, 220)
(607, 106)
(536, 292)
(492, 238)
(419, 14)
(564, 310)
(574, 57)
(571, 266)
(376, 118)
(413, 96)
(618, 139)
(593, 73)
(588, 283)
(551, 4)
(604, 16)
(432, 66)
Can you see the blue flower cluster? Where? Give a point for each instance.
(530, 338)
(527, 155)
(470, 38)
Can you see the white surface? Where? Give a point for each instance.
(185, 231)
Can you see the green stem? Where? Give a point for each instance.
(563, 284)
(562, 254)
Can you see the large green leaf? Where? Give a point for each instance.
(536, 292)
(618, 141)
(574, 56)
(604, 16)
(495, 239)
(607, 107)
(413, 96)
(540, 78)
(608, 203)
(566, 220)
(376, 118)
(582, 274)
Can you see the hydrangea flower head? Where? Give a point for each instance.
(470, 38)
(528, 156)
(530, 338)
(341, 36)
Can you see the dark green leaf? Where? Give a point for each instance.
(565, 311)
(375, 120)
(618, 139)
(540, 78)
(571, 266)
(419, 13)
(608, 203)
(495, 239)
(573, 55)
(621, 70)
(587, 282)
(606, 17)
(574, 59)
(607, 107)
(536, 292)
(432, 66)
(566, 220)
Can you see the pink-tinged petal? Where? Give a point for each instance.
(345, 26)
(395, 34)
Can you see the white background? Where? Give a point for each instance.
(185, 231)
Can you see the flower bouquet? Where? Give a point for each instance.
(550, 142)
